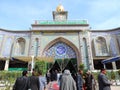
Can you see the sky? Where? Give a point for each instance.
(20, 14)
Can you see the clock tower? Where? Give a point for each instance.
(60, 14)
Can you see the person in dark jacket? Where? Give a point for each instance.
(80, 80)
(88, 81)
(21, 82)
(104, 83)
(34, 82)
(48, 76)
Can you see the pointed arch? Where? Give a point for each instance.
(7, 48)
(36, 44)
(101, 46)
(67, 42)
(20, 46)
(85, 53)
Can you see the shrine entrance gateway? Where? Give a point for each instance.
(65, 55)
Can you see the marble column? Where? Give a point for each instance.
(6, 64)
(32, 63)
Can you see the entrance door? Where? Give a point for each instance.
(73, 69)
(55, 66)
(61, 65)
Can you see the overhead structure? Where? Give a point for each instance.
(113, 59)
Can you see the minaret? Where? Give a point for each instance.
(60, 14)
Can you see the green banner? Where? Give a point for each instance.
(17, 69)
(63, 22)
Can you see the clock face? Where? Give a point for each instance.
(60, 17)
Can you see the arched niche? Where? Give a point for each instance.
(62, 41)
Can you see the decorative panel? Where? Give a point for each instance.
(7, 47)
(113, 47)
(1, 38)
(61, 50)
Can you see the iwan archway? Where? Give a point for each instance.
(64, 50)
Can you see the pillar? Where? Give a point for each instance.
(6, 64)
(32, 63)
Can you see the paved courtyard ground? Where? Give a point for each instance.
(115, 88)
(55, 86)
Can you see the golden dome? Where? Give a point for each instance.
(60, 8)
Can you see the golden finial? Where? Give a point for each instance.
(60, 8)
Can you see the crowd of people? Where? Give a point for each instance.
(64, 80)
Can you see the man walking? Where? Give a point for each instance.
(104, 83)
(80, 80)
(21, 82)
(34, 82)
(42, 81)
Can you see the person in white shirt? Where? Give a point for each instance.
(42, 81)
